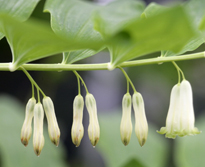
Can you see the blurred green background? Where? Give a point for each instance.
(154, 82)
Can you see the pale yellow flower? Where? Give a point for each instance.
(141, 126)
(126, 123)
(93, 128)
(77, 130)
(53, 129)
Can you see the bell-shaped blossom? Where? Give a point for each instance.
(26, 128)
(77, 130)
(180, 119)
(53, 129)
(93, 128)
(38, 138)
(141, 126)
(126, 123)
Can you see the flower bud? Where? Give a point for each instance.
(53, 129)
(26, 128)
(38, 138)
(77, 130)
(141, 126)
(93, 128)
(126, 123)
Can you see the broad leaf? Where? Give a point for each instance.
(193, 44)
(169, 30)
(33, 40)
(153, 154)
(72, 19)
(71, 57)
(189, 151)
(195, 8)
(133, 162)
(153, 9)
(19, 9)
(13, 152)
(196, 12)
(117, 14)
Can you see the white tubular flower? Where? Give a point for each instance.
(93, 128)
(188, 118)
(53, 129)
(141, 126)
(38, 138)
(126, 123)
(180, 119)
(26, 128)
(77, 130)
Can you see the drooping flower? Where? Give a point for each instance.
(141, 126)
(126, 123)
(26, 128)
(180, 119)
(38, 138)
(53, 129)
(77, 130)
(93, 128)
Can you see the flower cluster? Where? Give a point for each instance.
(77, 131)
(35, 111)
(141, 126)
(180, 119)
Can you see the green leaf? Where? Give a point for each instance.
(189, 151)
(13, 152)
(153, 9)
(196, 12)
(19, 9)
(202, 24)
(115, 15)
(71, 57)
(153, 154)
(195, 8)
(169, 30)
(72, 19)
(33, 40)
(192, 44)
(133, 163)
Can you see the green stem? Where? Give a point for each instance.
(128, 87)
(179, 76)
(32, 80)
(78, 82)
(102, 66)
(128, 79)
(179, 71)
(32, 90)
(39, 100)
(78, 76)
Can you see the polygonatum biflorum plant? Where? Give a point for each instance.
(127, 30)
